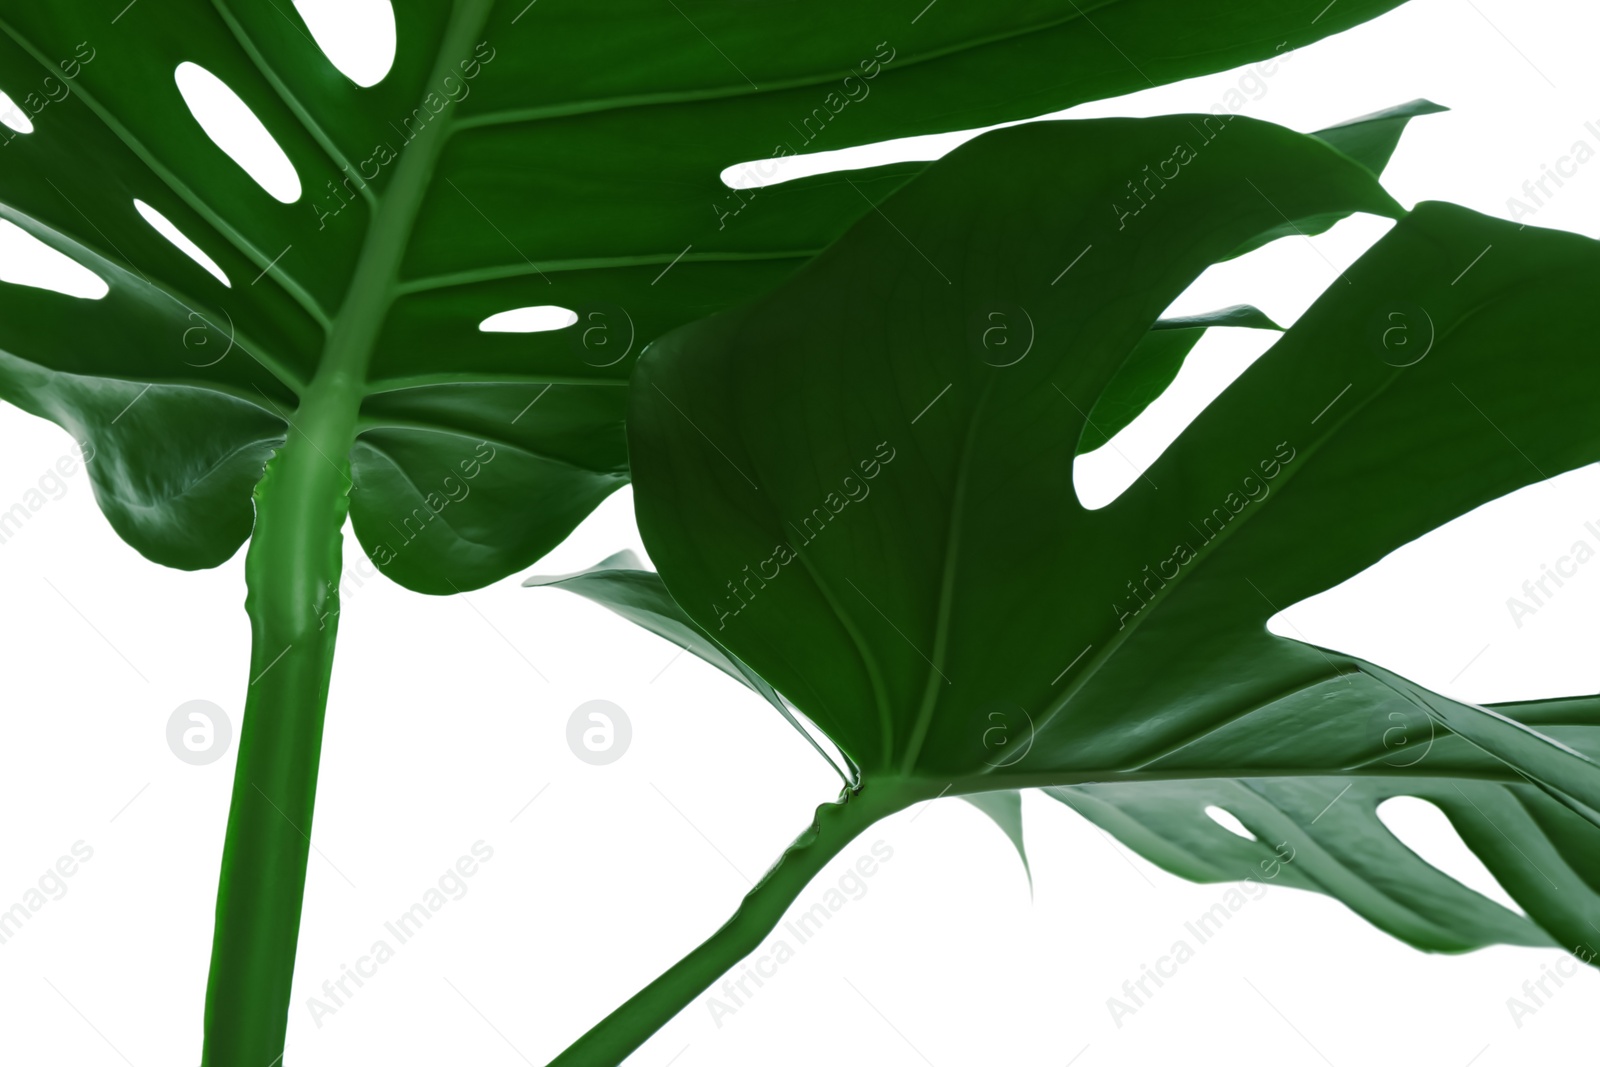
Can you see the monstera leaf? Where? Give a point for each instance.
(878, 517)
(1369, 140)
(497, 165)
(949, 431)
(1153, 365)
(1306, 773)
(621, 584)
(322, 358)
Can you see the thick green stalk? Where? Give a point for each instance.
(292, 572)
(611, 1040)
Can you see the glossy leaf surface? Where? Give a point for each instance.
(568, 161)
(941, 604)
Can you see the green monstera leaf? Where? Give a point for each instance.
(320, 356)
(621, 584)
(1306, 773)
(950, 427)
(510, 157)
(1153, 365)
(878, 517)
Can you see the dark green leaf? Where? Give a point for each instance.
(572, 158)
(1369, 140)
(1305, 774)
(906, 597)
(951, 615)
(1152, 366)
(622, 584)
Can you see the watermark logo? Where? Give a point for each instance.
(199, 732)
(198, 337)
(1001, 335)
(599, 732)
(1406, 735)
(1007, 733)
(1401, 333)
(603, 335)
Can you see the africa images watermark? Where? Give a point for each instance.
(452, 89)
(809, 529)
(1155, 578)
(50, 485)
(1538, 191)
(51, 885)
(853, 89)
(336, 992)
(852, 885)
(1251, 85)
(34, 103)
(1538, 992)
(1204, 927)
(451, 489)
(1537, 591)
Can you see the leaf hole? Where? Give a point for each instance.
(1186, 363)
(357, 36)
(165, 228)
(541, 318)
(26, 260)
(13, 116)
(235, 129)
(1426, 830)
(1229, 822)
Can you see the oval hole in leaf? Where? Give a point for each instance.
(357, 36)
(26, 260)
(920, 148)
(539, 319)
(235, 129)
(165, 228)
(13, 116)
(1427, 831)
(1228, 821)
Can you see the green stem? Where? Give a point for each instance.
(611, 1040)
(292, 572)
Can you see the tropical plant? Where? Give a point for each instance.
(877, 519)
(322, 360)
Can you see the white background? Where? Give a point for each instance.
(448, 716)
